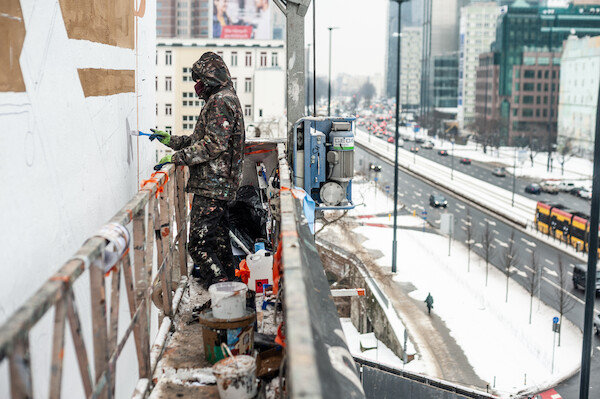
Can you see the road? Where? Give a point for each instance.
(414, 194)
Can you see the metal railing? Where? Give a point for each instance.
(152, 215)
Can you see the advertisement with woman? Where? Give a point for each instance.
(242, 19)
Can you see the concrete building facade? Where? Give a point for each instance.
(477, 32)
(258, 72)
(410, 71)
(578, 100)
(183, 19)
(487, 100)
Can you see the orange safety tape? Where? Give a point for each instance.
(163, 172)
(258, 152)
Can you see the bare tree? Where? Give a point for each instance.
(469, 231)
(486, 239)
(563, 300)
(509, 259)
(533, 279)
(565, 150)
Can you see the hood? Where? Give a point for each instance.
(213, 73)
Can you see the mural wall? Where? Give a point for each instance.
(77, 77)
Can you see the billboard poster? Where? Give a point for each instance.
(242, 19)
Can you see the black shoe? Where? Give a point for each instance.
(196, 271)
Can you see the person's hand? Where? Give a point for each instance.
(162, 136)
(164, 160)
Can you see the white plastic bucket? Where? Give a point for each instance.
(236, 377)
(228, 299)
(260, 265)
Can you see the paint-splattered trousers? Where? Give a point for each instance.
(209, 244)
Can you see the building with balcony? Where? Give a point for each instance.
(578, 99)
(410, 71)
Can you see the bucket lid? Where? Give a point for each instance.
(233, 366)
(227, 286)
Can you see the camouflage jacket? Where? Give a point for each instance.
(214, 152)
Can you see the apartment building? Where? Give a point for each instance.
(477, 32)
(257, 69)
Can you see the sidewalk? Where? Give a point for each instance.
(500, 345)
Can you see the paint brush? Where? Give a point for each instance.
(139, 133)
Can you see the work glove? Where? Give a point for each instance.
(162, 136)
(164, 160)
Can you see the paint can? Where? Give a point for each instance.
(237, 334)
(236, 377)
(228, 299)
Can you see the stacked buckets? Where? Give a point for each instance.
(228, 329)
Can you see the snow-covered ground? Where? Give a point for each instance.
(496, 336)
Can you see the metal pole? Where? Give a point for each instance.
(452, 161)
(396, 137)
(553, 346)
(590, 284)
(514, 177)
(314, 60)
(329, 88)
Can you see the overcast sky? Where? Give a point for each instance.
(358, 47)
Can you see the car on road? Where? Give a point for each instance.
(465, 161)
(438, 201)
(566, 186)
(533, 188)
(428, 145)
(499, 172)
(579, 273)
(549, 187)
(414, 149)
(585, 194)
(443, 153)
(597, 324)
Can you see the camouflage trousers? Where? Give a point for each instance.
(209, 244)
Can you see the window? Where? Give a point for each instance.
(168, 109)
(516, 100)
(168, 129)
(517, 86)
(537, 112)
(539, 87)
(545, 99)
(234, 58)
(539, 74)
(168, 84)
(263, 59)
(546, 73)
(527, 112)
(529, 74)
(234, 80)
(274, 61)
(156, 83)
(248, 85)
(247, 110)
(248, 59)
(527, 99)
(168, 57)
(528, 86)
(537, 100)
(545, 113)
(260, 112)
(515, 112)
(545, 86)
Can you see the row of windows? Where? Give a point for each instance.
(528, 113)
(186, 78)
(192, 118)
(530, 74)
(532, 86)
(529, 99)
(263, 58)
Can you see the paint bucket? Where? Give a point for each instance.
(237, 334)
(228, 299)
(236, 377)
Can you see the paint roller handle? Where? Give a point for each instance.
(144, 134)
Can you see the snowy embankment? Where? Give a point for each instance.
(504, 349)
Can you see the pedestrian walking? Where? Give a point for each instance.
(429, 302)
(214, 153)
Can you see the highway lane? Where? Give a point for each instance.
(483, 171)
(414, 194)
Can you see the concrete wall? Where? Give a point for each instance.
(77, 77)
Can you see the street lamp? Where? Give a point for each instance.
(397, 136)
(329, 89)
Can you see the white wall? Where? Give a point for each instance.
(68, 161)
(269, 96)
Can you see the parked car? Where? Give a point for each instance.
(443, 153)
(465, 161)
(549, 187)
(566, 186)
(579, 273)
(597, 324)
(533, 188)
(438, 201)
(414, 149)
(428, 145)
(585, 194)
(500, 172)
